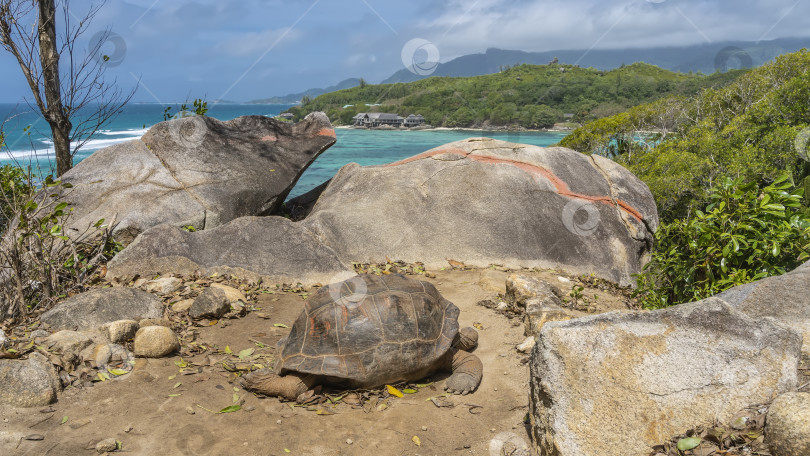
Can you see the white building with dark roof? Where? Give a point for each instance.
(376, 119)
(414, 120)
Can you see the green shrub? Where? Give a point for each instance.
(746, 233)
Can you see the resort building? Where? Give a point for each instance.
(376, 119)
(414, 120)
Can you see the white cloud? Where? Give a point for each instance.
(256, 43)
(582, 24)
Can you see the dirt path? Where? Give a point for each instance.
(150, 410)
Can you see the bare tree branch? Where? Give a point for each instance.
(68, 85)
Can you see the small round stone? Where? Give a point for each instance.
(107, 446)
(349, 441)
(424, 428)
(155, 342)
(122, 330)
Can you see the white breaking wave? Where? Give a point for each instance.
(139, 132)
(89, 146)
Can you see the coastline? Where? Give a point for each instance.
(498, 130)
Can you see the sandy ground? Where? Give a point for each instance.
(150, 410)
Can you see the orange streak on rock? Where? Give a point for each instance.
(326, 132)
(559, 185)
(269, 138)
(430, 153)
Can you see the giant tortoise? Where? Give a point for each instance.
(369, 331)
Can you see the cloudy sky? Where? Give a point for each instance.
(247, 49)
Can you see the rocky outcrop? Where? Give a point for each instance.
(785, 297)
(95, 308)
(69, 345)
(482, 201)
(212, 303)
(195, 171)
(28, 383)
(619, 383)
(539, 301)
(271, 248)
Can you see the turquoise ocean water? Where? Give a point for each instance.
(359, 146)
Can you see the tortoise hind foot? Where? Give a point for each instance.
(265, 382)
(461, 383)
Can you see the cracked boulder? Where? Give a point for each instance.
(482, 201)
(195, 171)
(620, 383)
(272, 249)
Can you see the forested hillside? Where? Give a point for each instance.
(530, 96)
(730, 172)
(755, 128)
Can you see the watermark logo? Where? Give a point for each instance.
(420, 56)
(195, 440)
(581, 217)
(187, 130)
(802, 144)
(114, 359)
(732, 57)
(508, 444)
(107, 48)
(353, 289)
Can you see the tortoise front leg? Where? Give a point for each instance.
(466, 339)
(289, 387)
(467, 372)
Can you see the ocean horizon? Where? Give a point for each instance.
(28, 140)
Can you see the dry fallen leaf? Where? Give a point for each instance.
(393, 391)
(417, 441)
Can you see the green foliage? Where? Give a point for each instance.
(531, 96)
(680, 146)
(745, 233)
(200, 106)
(14, 188)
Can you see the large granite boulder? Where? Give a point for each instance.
(273, 249)
(785, 297)
(619, 383)
(95, 308)
(28, 383)
(195, 171)
(482, 201)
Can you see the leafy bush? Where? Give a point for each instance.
(746, 233)
(14, 188)
(200, 108)
(38, 262)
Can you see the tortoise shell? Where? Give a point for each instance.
(371, 330)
